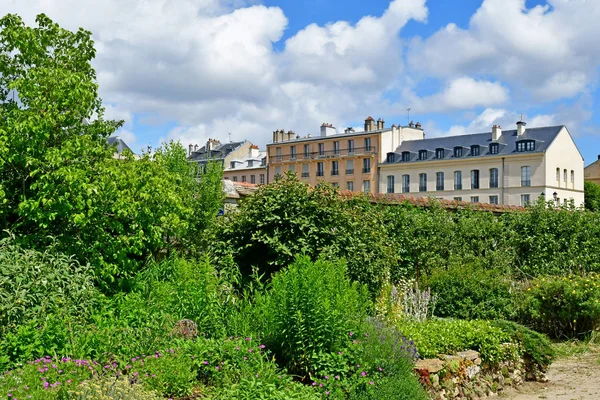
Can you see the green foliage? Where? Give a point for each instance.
(535, 346)
(287, 218)
(592, 196)
(395, 387)
(563, 307)
(311, 308)
(467, 290)
(111, 389)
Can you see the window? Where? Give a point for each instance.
(305, 173)
(367, 144)
(493, 177)
(367, 186)
(293, 152)
(458, 151)
(391, 157)
(422, 154)
(493, 199)
(405, 183)
(525, 199)
(243, 178)
(351, 146)
(405, 156)
(475, 179)
(558, 174)
(525, 176)
(565, 178)
(457, 180)
(573, 179)
(350, 186)
(335, 184)
(306, 151)
(262, 179)
(458, 199)
(366, 165)
(320, 169)
(494, 148)
(349, 167)
(474, 199)
(422, 182)
(277, 170)
(292, 168)
(390, 183)
(251, 163)
(525, 145)
(321, 149)
(253, 179)
(439, 181)
(278, 152)
(336, 147)
(335, 168)
(439, 153)
(232, 165)
(234, 179)
(475, 150)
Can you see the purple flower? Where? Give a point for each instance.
(351, 333)
(337, 377)
(371, 383)
(326, 377)
(205, 362)
(363, 373)
(314, 383)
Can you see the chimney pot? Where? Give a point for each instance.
(520, 128)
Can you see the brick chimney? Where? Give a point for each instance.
(369, 124)
(380, 124)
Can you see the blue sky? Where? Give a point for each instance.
(198, 69)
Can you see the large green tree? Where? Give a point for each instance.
(592, 196)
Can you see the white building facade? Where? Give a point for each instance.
(513, 167)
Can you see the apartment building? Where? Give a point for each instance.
(511, 167)
(348, 160)
(242, 161)
(592, 172)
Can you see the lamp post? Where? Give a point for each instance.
(555, 195)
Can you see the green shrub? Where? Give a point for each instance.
(254, 388)
(467, 290)
(311, 308)
(110, 389)
(395, 387)
(169, 373)
(534, 346)
(564, 307)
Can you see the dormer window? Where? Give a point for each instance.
(458, 151)
(391, 157)
(439, 153)
(405, 156)
(422, 154)
(525, 145)
(250, 163)
(494, 148)
(232, 165)
(475, 150)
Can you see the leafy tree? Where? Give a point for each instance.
(592, 196)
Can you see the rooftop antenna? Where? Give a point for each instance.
(229, 137)
(521, 117)
(408, 116)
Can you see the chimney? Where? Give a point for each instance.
(411, 124)
(290, 135)
(520, 128)
(380, 124)
(275, 137)
(369, 124)
(253, 151)
(418, 125)
(327, 130)
(190, 148)
(195, 147)
(349, 130)
(496, 132)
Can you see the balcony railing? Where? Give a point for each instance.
(305, 174)
(335, 172)
(350, 171)
(357, 151)
(320, 173)
(366, 170)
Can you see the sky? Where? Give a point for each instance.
(189, 70)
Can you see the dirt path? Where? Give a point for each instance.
(573, 378)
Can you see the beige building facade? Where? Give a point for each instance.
(249, 168)
(513, 167)
(592, 172)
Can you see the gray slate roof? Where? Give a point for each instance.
(219, 153)
(120, 145)
(507, 144)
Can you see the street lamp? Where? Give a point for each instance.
(555, 195)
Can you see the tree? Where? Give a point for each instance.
(592, 196)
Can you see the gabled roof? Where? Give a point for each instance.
(218, 153)
(120, 145)
(507, 143)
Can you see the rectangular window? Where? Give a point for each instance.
(293, 152)
(305, 173)
(405, 183)
(321, 149)
(234, 179)
(565, 178)
(405, 156)
(391, 157)
(525, 199)
(350, 186)
(457, 180)
(475, 179)
(351, 146)
(278, 151)
(292, 168)
(253, 179)
(458, 152)
(366, 165)
(336, 147)
(493, 177)
(422, 154)
(349, 167)
(277, 170)
(335, 168)
(367, 144)
(439, 181)
(474, 150)
(422, 182)
(573, 179)
(262, 179)
(367, 186)
(558, 174)
(390, 183)
(232, 165)
(306, 151)
(493, 199)
(474, 199)
(320, 169)
(458, 199)
(494, 148)
(525, 176)
(439, 153)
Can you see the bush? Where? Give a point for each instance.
(395, 387)
(111, 389)
(467, 290)
(311, 308)
(564, 307)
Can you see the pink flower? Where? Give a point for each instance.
(314, 383)
(371, 383)
(351, 333)
(363, 373)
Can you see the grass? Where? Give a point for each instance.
(575, 347)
